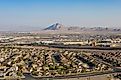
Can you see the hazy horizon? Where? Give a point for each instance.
(23, 15)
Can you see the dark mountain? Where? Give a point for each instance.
(55, 26)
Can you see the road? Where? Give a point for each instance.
(29, 77)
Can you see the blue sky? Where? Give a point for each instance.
(37, 14)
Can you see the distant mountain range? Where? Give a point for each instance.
(58, 26)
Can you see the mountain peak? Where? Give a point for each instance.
(56, 26)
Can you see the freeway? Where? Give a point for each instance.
(84, 47)
(68, 46)
(57, 48)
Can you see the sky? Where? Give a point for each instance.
(38, 14)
